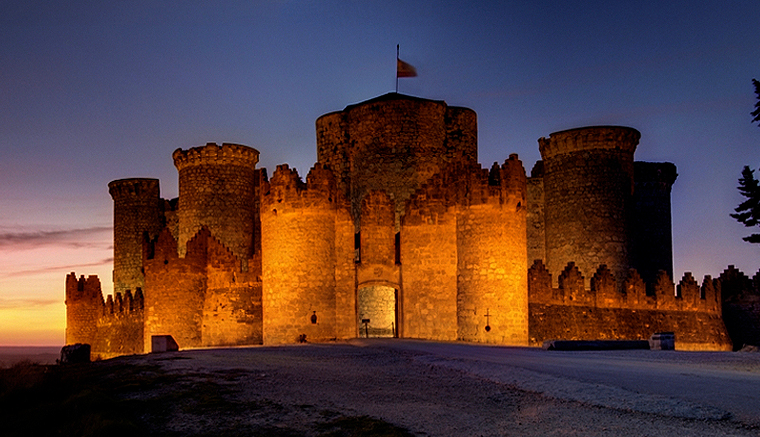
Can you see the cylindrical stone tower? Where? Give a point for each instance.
(394, 143)
(588, 192)
(298, 257)
(216, 190)
(137, 215)
(492, 303)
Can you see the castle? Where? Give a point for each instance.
(398, 232)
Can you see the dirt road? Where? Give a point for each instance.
(454, 389)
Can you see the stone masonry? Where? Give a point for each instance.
(397, 231)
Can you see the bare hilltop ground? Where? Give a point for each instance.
(389, 388)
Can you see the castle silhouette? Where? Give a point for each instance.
(398, 232)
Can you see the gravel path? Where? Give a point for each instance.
(293, 390)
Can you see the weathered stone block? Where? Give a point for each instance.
(75, 354)
(163, 343)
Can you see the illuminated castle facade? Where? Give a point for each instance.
(397, 231)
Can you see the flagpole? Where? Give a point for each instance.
(397, 68)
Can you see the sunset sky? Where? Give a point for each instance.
(92, 91)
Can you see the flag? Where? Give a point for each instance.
(404, 70)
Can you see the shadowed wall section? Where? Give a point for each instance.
(137, 218)
(652, 229)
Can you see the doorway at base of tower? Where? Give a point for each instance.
(378, 311)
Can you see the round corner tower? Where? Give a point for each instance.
(216, 190)
(137, 215)
(394, 143)
(588, 188)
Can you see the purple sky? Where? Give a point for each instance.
(96, 91)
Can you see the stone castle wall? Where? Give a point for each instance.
(491, 258)
(629, 308)
(534, 215)
(463, 257)
(205, 298)
(176, 308)
(428, 305)
(112, 327)
(84, 306)
(741, 306)
(121, 327)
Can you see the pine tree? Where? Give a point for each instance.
(748, 212)
(756, 112)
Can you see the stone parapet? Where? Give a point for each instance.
(624, 139)
(138, 187)
(213, 154)
(630, 292)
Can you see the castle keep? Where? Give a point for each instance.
(397, 231)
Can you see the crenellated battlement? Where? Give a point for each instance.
(285, 190)
(657, 174)
(213, 154)
(739, 287)
(86, 290)
(634, 294)
(204, 248)
(624, 139)
(470, 184)
(117, 306)
(134, 187)
(284, 178)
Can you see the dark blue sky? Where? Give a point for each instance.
(95, 91)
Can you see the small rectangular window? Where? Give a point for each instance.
(398, 248)
(358, 247)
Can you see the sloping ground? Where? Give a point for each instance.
(367, 388)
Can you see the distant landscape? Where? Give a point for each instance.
(10, 355)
